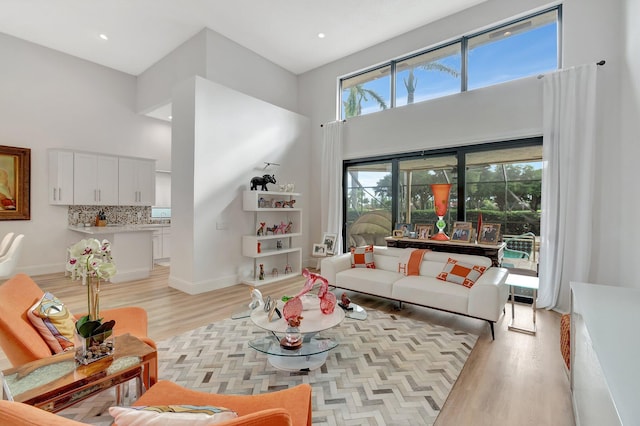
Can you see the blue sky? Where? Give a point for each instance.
(520, 55)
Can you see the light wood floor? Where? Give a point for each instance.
(516, 379)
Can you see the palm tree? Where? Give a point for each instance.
(358, 94)
(411, 82)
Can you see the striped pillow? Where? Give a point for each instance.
(54, 322)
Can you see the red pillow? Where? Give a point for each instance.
(461, 273)
(362, 257)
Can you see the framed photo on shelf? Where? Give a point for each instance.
(398, 233)
(15, 176)
(329, 240)
(489, 234)
(405, 228)
(423, 232)
(462, 232)
(319, 250)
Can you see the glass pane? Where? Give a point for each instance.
(431, 75)
(366, 93)
(506, 189)
(518, 50)
(368, 204)
(415, 203)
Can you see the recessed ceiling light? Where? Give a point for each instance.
(507, 33)
(321, 35)
(104, 37)
(170, 117)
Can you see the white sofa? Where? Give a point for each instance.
(485, 300)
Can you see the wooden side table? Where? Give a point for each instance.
(516, 280)
(57, 382)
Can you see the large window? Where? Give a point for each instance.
(503, 181)
(430, 75)
(521, 48)
(367, 92)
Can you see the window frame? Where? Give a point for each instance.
(460, 152)
(464, 72)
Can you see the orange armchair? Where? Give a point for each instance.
(290, 407)
(22, 343)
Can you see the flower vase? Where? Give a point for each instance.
(93, 348)
(93, 297)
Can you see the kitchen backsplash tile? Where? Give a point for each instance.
(121, 215)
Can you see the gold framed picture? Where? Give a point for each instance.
(398, 233)
(489, 234)
(423, 232)
(15, 176)
(461, 232)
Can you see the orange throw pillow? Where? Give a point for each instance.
(362, 257)
(461, 273)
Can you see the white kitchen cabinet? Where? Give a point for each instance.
(162, 243)
(136, 182)
(278, 251)
(95, 179)
(60, 177)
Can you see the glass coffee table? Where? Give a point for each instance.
(314, 350)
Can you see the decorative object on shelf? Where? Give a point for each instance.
(280, 228)
(259, 247)
(319, 250)
(462, 231)
(288, 228)
(479, 228)
(274, 272)
(262, 181)
(397, 233)
(423, 232)
(272, 229)
(278, 244)
(288, 269)
(440, 205)
(489, 234)
(261, 230)
(91, 260)
(290, 187)
(329, 240)
(261, 273)
(289, 203)
(15, 165)
(405, 228)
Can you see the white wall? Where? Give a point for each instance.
(626, 205)
(217, 58)
(591, 32)
(221, 138)
(52, 100)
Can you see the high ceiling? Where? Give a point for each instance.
(140, 32)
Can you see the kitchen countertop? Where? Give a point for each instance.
(116, 229)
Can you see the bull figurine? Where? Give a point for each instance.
(262, 181)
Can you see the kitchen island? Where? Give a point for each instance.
(131, 248)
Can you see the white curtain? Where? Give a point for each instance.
(569, 117)
(331, 181)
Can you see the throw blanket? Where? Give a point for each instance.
(410, 260)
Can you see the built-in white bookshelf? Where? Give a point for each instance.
(274, 242)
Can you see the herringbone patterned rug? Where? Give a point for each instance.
(387, 370)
